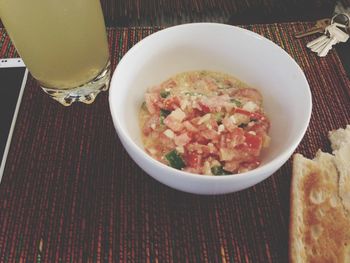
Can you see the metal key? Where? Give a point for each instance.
(316, 41)
(317, 47)
(319, 42)
(336, 35)
(318, 28)
(326, 48)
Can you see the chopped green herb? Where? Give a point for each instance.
(175, 160)
(143, 106)
(203, 73)
(237, 102)
(164, 94)
(219, 170)
(218, 117)
(163, 115)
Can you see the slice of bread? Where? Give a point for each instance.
(340, 141)
(320, 202)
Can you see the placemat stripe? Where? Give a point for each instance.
(155, 12)
(70, 193)
(171, 12)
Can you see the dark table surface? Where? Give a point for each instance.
(71, 193)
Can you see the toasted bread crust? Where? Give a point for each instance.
(340, 140)
(319, 220)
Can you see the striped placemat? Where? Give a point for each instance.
(155, 12)
(170, 12)
(70, 193)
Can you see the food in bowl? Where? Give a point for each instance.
(220, 48)
(205, 122)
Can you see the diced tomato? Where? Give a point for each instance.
(195, 121)
(200, 139)
(253, 141)
(204, 108)
(251, 147)
(171, 103)
(259, 128)
(238, 132)
(202, 127)
(169, 84)
(214, 123)
(258, 116)
(214, 104)
(151, 100)
(198, 148)
(193, 113)
(193, 159)
(244, 112)
(232, 139)
(190, 127)
(210, 134)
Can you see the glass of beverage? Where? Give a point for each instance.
(63, 43)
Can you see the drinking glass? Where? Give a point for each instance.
(63, 43)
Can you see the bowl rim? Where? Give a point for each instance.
(272, 165)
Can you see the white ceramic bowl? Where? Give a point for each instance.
(218, 47)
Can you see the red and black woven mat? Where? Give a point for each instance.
(70, 193)
(159, 12)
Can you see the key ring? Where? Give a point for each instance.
(342, 20)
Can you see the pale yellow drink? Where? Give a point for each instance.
(62, 42)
